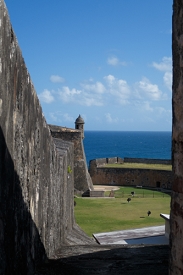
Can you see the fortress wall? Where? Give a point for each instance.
(82, 180)
(63, 215)
(112, 160)
(148, 161)
(98, 162)
(103, 161)
(176, 218)
(123, 176)
(133, 177)
(36, 192)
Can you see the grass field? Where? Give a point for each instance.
(95, 215)
(140, 166)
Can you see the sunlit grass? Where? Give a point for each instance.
(103, 215)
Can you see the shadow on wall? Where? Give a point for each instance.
(20, 244)
(109, 260)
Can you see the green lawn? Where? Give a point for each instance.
(140, 166)
(104, 215)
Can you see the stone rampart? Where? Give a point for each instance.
(36, 190)
(103, 161)
(148, 161)
(82, 180)
(132, 177)
(176, 217)
(125, 176)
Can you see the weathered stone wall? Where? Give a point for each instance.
(124, 176)
(133, 177)
(103, 161)
(82, 180)
(114, 160)
(148, 161)
(176, 221)
(36, 192)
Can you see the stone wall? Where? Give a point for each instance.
(124, 176)
(176, 218)
(148, 161)
(103, 161)
(36, 192)
(82, 180)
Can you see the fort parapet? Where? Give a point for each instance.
(36, 186)
(103, 175)
(148, 161)
(82, 180)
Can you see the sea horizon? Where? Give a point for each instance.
(131, 144)
(124, 131)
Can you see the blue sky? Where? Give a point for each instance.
(108, 60)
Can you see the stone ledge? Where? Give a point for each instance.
(112, 260)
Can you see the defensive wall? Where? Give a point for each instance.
(82, 180)
(176, 217)
(148, 161)
(36, 189)
(102, 175)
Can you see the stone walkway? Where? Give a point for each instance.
(148, 235)
(106, 187)
(108, 260)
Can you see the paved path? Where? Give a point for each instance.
(106, 187)
(148, 235)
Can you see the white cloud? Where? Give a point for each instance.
(110, 119)
(56, 79)
(146, 88)
(69, 95)
(88, 96)
(89, 101)
(112, 92)
(97, 87)
(164, 65)
(110, 79)
(118, 88)
(46, 96)
(168, 80)
(114, 61)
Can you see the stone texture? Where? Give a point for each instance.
(82, 180)
(176, 218)
(123, 176)
(36, 192)
(108, 260)
(148, 161)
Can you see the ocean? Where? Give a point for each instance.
(103, 144)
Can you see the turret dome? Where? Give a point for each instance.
(79, 125)
(79, 120)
